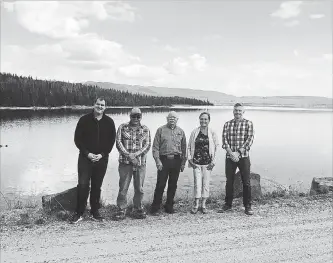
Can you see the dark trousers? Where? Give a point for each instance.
(230, 169)
(94, 172)
(170, 172)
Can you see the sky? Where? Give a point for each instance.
(242, 48)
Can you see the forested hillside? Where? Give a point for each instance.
(18, 91)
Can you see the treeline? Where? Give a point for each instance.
(18, 91)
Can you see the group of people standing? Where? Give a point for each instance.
(95, 136)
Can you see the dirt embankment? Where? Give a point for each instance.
(280, 231)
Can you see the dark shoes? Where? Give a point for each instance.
(248, 210)
(224, 209)
(169, 210)
(155, 211)
(96, 216)
(76, 218)
(139, 214)
(121, 215)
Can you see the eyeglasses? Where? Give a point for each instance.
(136, 116)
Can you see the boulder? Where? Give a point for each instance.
(321, 185)
(255, 186)
(65, 200)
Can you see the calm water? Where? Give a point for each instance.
(290, 147)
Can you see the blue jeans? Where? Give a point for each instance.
(126, 172)
(94, 173)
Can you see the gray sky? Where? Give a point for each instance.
(259, 48)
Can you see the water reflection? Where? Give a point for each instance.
(41, 156)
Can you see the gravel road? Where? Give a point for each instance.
(276, 233)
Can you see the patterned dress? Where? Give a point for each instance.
(201, 150)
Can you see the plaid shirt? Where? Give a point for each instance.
(238, 135)
(132, 139)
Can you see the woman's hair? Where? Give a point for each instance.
(205, 112)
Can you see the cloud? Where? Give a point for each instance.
(177, 66)
(316, 16)
(66, 19)
(198, 62)
(296, 53)
(91, 47)
(328, 56)
(120, 11)
(181, 66)
(288, 9)
(171, 49)
(140, 71)
(292, 23)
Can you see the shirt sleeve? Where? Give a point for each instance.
(225, 143)
(156, 145)
(250, 136)
(183, 148)
(216, 144)
(146, 143)
(119, 143)
(112, 138)
(189, 147)
(78, 137)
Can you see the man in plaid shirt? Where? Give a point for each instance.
(133, 142)
(237, 138)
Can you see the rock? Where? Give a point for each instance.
(321, 185)
(65, 200)
(255, 186)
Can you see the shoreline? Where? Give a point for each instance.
(33, 213)
(250, 107)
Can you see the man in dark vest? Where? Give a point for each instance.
(95, 135)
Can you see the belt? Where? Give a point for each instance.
(170, 156)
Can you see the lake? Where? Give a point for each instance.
(291, 146)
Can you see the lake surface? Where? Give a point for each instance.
(290, 147)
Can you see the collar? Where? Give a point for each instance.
(94, 118)
(234, 120)
(174, 127)
(134, 127)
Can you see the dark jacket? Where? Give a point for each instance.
(93, 136)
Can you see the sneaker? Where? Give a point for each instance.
(76, 218)
(248, 210)
(139, 214)
(121, 215)
(224, 209)
(96, 216)
(204, 210)
(194, 210)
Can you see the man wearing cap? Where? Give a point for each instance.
(169, 152)
(237, 138)
(133, 142)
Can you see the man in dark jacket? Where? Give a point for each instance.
(95, 135)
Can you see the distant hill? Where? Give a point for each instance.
(219, 98)
(213, 96)
(19, 91)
